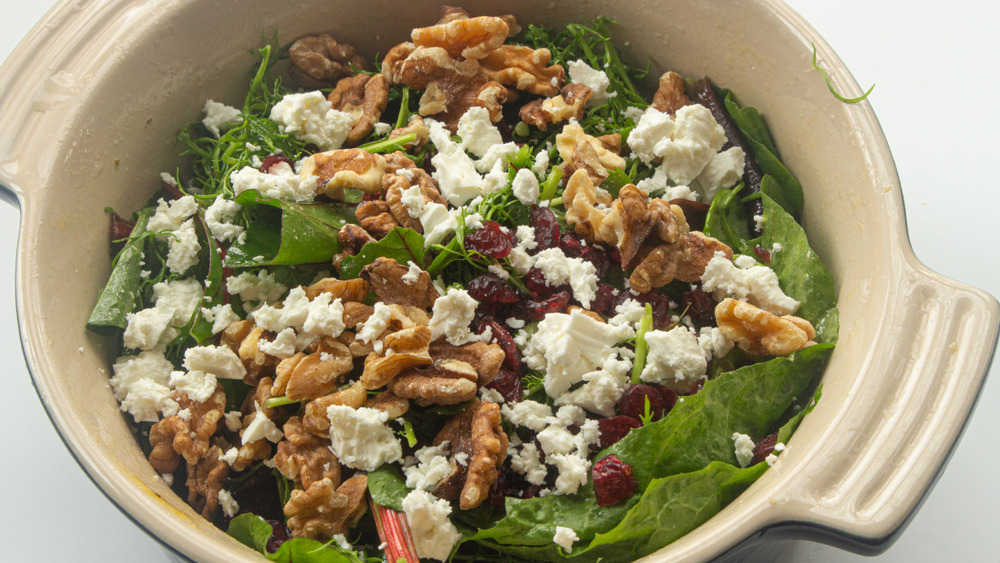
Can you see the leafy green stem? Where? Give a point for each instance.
(641, 348)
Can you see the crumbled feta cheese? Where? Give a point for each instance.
(220, 361)
(601, 389)
(376, 324)
(713, 343)
(473, 221)
(146, 327)
(130, 369)
(477, 131)
(567, 346)
(674, 359)
(495, 160)
(597, 80)
(183, 247)
(758, 221)
(234, 421)
(515, 323)
(565, 537)
(261, 427)
(221, 316)
(525, 186)
(168, 479)
(197, 385)
(431, 467)
(145, 399)
(559, 269)
(434, 535)
(437, 221)
(491, 395)
(263, 287)
(229, 505)
(746, 280)
(219, 218)
(361, 439)
(311, 117)
(412, 274)
(457, 177)
(541, 165)
(721, 173)
(573, 471)
(413, 199)
(452, 314)
(744, 448)
(170, 216)
(284, 344)
(530, 414)
(279, 182)
(685, 143)
(324, 317)
(528, 462)
(219, 116)
(167, 179)
(382, 129)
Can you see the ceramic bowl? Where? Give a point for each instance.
(90, 104)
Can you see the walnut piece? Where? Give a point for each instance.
(204, 481)
(403, 349)
(416, 126)
(568, 104)
(470, 38)
(340, 169)
(445, 382)
(485, 358)
(525, 69)
(322, 58)
(243, 337)
(354, 290)
(248, 453)
(307, 376)
(389, 403)
(376, 217)
(758, 332)
(476, 433)
(581, 200)
(173, 436)
(670, 96)
(385, 276)
(304, 457)
(572, 135)
(324, 510)
(316, 421)
(370, 94)
(646, 224)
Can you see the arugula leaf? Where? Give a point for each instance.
(401, 244)
(118, 297)
(800, 273)
(387, 487)
(296, 233)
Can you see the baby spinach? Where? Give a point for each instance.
(118, 298)
(283, 233)
(387, 487)
(254, 532)
(401, 244)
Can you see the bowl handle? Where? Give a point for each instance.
(896, 435)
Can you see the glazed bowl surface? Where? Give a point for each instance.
(91, 102)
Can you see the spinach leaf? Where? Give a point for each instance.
(118, 297)
(801, 274)
(752, 400)
(401, 244)
(727, 222)
(250, 530)
(387, 488)
(284, 233)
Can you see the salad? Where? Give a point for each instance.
(484, 299)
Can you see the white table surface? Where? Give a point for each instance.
(935, 67)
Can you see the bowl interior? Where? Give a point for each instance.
(117, 134)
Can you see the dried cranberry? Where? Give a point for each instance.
(546, 227)
(762, 253)
(556, 303)
(699, 306)
(615, 428)
(597, 256)
(500, 335)
(500, 487)
(764, 448)
(604, 300)
(273, 159)
(489, 288)
(279, 535)
(491, 241)
(571, 245)
(633, 401)
(508, 384)
(616, 255)
(535, 281)
(613, 480)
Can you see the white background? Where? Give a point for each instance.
(935, 66)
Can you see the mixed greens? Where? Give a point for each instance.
(683, 467)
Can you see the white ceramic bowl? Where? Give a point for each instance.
(90, 104)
